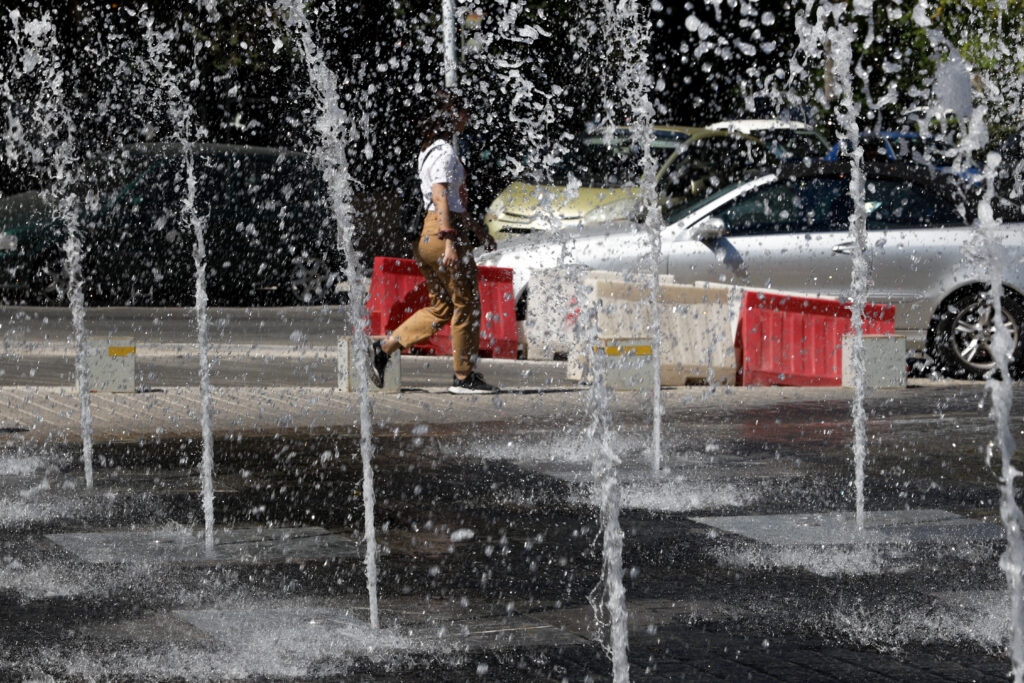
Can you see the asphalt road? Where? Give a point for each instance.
(315, 325)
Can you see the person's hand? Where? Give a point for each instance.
(489, 243)
(451, 257)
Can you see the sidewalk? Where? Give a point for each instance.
(176, 364)
(52, 413)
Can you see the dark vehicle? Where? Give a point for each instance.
(1009, 181)
(269, 233)
(907, 147)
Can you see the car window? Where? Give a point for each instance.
(303, 199)
(790, 206)
(110, 171)
(596, 163)
(901, 203)
(875, 150)
(231, 184)
(156, 191)
(794, 144)
(707, 165)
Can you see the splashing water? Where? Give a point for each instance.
(836, 40)
(1000, 388)
(57, 125)
(629, 32)
(992, 259)
(331, 127)
(182, 114)
(609, 499)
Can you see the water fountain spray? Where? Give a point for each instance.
(629, 33)
(608, 490)
(838, 40)
(332, 131)
(37, 41)
(1000, 387)
(182, 114)
(993, 260)
(198, 224)
(451, 63)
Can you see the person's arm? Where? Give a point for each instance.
(439, 195)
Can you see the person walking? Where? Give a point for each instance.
(444, 254)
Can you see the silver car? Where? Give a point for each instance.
(788, 229)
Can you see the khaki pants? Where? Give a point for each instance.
(454, 296)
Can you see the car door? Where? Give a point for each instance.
(789, 235)
(147, 258)
(917, 239)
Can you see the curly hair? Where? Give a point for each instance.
(442, 119)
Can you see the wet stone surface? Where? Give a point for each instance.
(490, 552)
(238, 545)
(841, 528)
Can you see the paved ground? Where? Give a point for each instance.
(490, 545)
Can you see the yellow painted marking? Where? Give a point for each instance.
(642, 350)
(116, 351)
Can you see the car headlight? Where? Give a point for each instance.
(8, 242)
(621, 210)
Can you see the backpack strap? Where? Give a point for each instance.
(429, 153)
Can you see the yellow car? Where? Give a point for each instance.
(597, 180)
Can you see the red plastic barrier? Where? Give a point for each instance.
(397, 290)
(798, 341)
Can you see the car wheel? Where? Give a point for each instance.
(963, 331)
(311, 282)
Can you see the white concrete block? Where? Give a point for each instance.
(557, 297)
(628, 363)
(885, 360)
(111, 364)
(347, 378)
(697, 328)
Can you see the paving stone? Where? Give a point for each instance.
(840, 528)
(242, 545)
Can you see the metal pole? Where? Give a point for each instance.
(451, 64)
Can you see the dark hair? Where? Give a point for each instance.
(440, 121)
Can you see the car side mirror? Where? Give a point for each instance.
(707, 229)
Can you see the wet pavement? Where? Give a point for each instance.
(490, 559)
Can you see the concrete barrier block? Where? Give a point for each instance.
(557, 298)
(111, 364)
(554, 300)
(697, 325)
(885, 360)
(349, 356)
(629, 364)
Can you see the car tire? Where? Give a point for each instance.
(961, 333)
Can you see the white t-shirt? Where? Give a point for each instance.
(438, 163)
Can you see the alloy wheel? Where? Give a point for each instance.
(973, 332)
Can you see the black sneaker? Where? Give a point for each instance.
(378, 364)
(473, 384)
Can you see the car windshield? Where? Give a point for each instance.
(678, 213)
(595, 163)
(919, 150)
(790, 205)
(108, 171)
